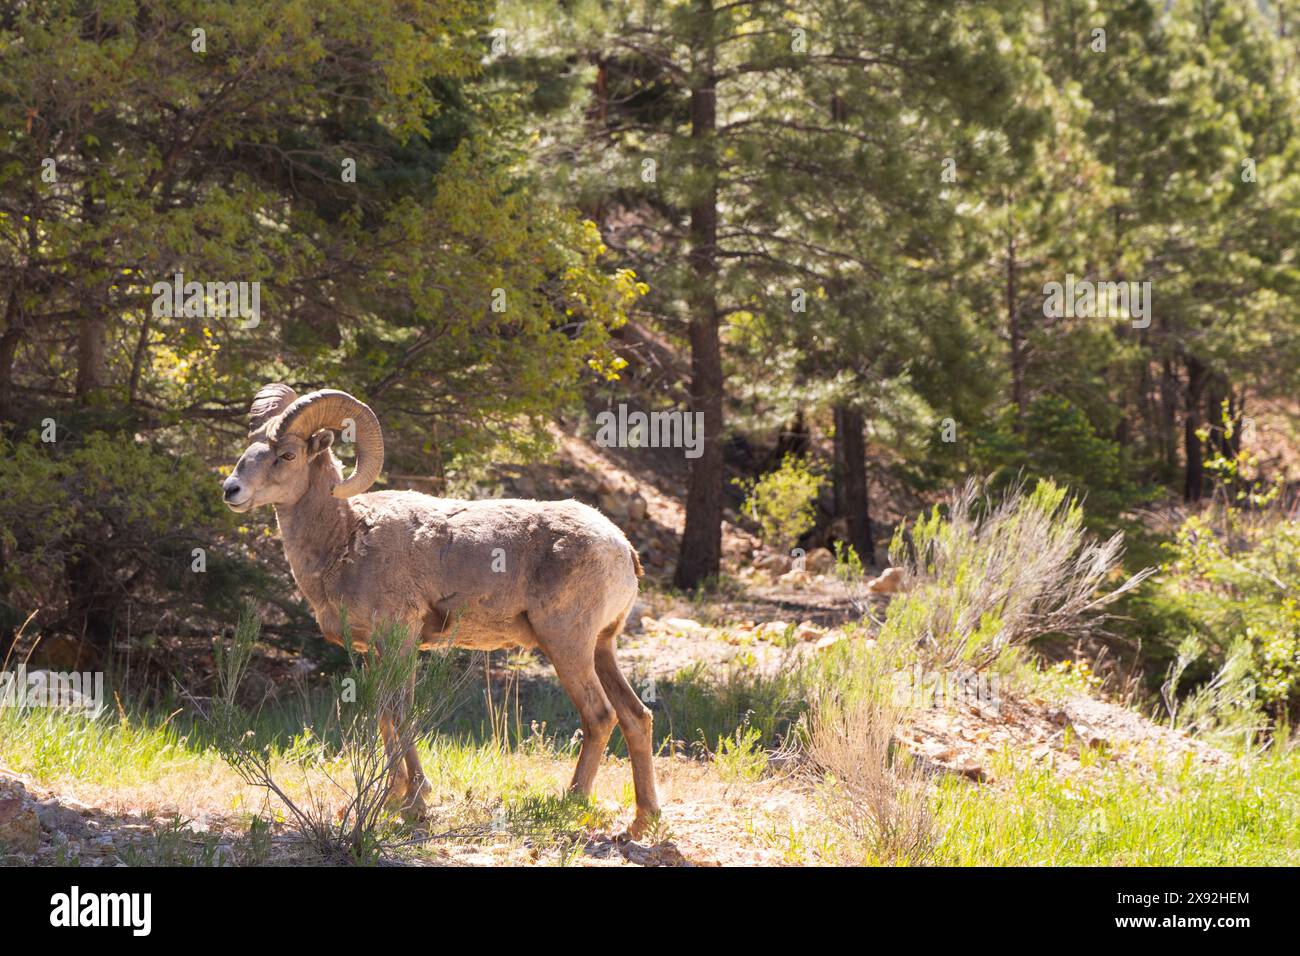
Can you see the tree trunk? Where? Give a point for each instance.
(92, 334)
(1016, 335)
(839, 466)
(700, 557)
(1169, 416)
(91, 603)
(795, 439)
(1194, 473)
(8, 352)
(137, 362)
(852, 496)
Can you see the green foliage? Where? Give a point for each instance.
(126, 516)
(740, 758)
(1243, 814)
(1057, 441)
(1225, 708)
(434, 284)
(1236, 469)
(870, 789)
(698, 704)
(783, 502)
(550, 818)
(1229, 582)
(349, 748)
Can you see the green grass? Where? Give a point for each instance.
(509, 787)
(53, 744)
(1244, 815)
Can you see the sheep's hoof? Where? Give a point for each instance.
(645, 822)
(414, 810)
(414, 815)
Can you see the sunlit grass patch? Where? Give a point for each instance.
(1241, 815)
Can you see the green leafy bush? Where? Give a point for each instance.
(1057, 441)
(86, 527)
(783, 502)
(1233, 578)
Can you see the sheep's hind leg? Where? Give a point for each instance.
(636, 722)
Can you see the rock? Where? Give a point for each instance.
(773, 562)
(637, 507)
(795, 577)
(62, 652)
(808, 631)
(1097, 724)
(889, 582)
(828, 640)
(20, 827)
(772, 630)
(637, 616)
(819, 561)
(947, 761)
(55, 817)
(683, 624)
(614, 507)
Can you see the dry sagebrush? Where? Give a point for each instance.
(991, 572)
(871, 791)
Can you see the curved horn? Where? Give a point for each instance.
(269, 402)
(328, 408)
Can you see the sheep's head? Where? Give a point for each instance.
(287, 433)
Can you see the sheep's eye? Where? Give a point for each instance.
(287, 456)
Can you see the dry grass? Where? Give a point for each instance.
(871, 790)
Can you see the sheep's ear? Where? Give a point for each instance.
(319, 442)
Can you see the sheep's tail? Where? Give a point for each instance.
(636, 562)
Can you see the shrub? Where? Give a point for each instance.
(88, 526)
(990, 574)
(741, 758)
(1225, 706)
(698, 704)
(783, 502)
(853, 577)
(1231, 578)
(1056, 440)
(871, 790)
(349, 819)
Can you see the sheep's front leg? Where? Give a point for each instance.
(407, 785)
(395, 760)
(417, 784)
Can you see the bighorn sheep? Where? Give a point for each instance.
(554, 575)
